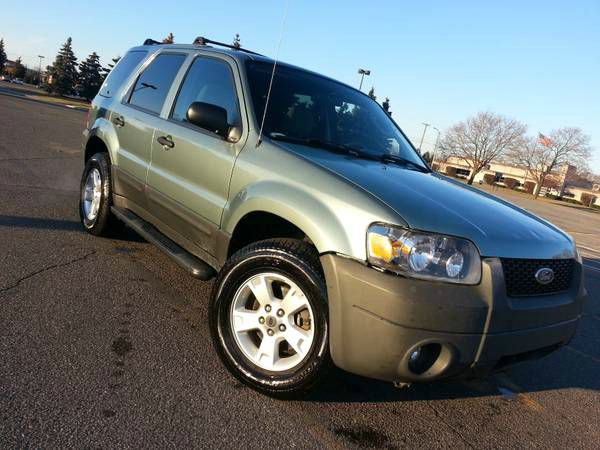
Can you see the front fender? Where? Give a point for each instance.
(315, 217)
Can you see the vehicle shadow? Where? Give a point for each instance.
(42, 223)
(38, 223)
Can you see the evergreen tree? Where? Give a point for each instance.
(20, 69)
(386, 106)
(372, 93)
(2, 56)
(90, 76)
(106, 70)
(170, 39)
(63, 72)
(237, 43)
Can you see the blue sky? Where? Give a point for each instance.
(438, 62)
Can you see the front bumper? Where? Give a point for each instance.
(378, 319)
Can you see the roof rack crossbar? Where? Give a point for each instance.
(200, 40)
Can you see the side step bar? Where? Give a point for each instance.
(195, 266)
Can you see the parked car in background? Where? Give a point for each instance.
(330, 238)
(17, 81)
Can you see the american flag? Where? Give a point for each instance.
(544, 140)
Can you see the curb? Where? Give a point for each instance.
(60, 105)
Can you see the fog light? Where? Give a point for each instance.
(415, 355)
(423, 358)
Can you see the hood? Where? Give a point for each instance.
(431, 202)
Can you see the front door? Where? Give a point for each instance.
(188, 179)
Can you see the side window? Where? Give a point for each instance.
(210, 81)
(152, 86)
(121, 71)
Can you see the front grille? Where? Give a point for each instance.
(519, 276)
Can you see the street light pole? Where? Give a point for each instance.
(437, 141)
(362, 73)
(40, 70)
(423, 136)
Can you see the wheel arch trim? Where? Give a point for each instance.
(312, 216)
(102, 129)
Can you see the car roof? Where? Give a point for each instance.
(240, 56)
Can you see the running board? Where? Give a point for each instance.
(195, 266)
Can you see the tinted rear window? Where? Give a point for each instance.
(121, 72)
(152, 86)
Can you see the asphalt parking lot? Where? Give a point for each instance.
(104, 343)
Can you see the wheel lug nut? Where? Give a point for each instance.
(270, 332)
(282, 327)
(280, 313)
(268, 308)
(261, 320)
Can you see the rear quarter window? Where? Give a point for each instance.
(126, 65)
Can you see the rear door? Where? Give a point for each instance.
(188, 183)
(135, 119)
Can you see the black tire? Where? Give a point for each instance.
(104, 223)
(298, 261)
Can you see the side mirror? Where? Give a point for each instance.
(208, 116)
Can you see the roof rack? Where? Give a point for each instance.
(200, 40)
(151, 42)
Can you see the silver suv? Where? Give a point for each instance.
(330, 238)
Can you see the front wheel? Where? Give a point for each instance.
(268, 317)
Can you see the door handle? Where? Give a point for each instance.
(166, 142)
(119, 121)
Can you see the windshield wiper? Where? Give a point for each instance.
(318, 143)
(387, 157)
(348, 150)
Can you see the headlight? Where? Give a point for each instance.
(423, 255)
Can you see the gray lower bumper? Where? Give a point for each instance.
(378, 319)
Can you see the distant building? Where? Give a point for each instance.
(563, 181)
(579, 194)
(10, 68)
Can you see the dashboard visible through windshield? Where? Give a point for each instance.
(305, 107)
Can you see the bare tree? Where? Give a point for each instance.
(543, 155)
(386, 106)
(524, 156)
(372, 93)
(481, 139)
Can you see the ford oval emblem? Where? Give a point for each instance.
(544, 275)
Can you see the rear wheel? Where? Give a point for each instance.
(268, 317)
(95, 197)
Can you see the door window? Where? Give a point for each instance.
(209, 81)
(152, 86)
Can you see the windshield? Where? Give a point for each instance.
(310, 108)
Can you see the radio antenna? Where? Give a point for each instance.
(262, 123)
